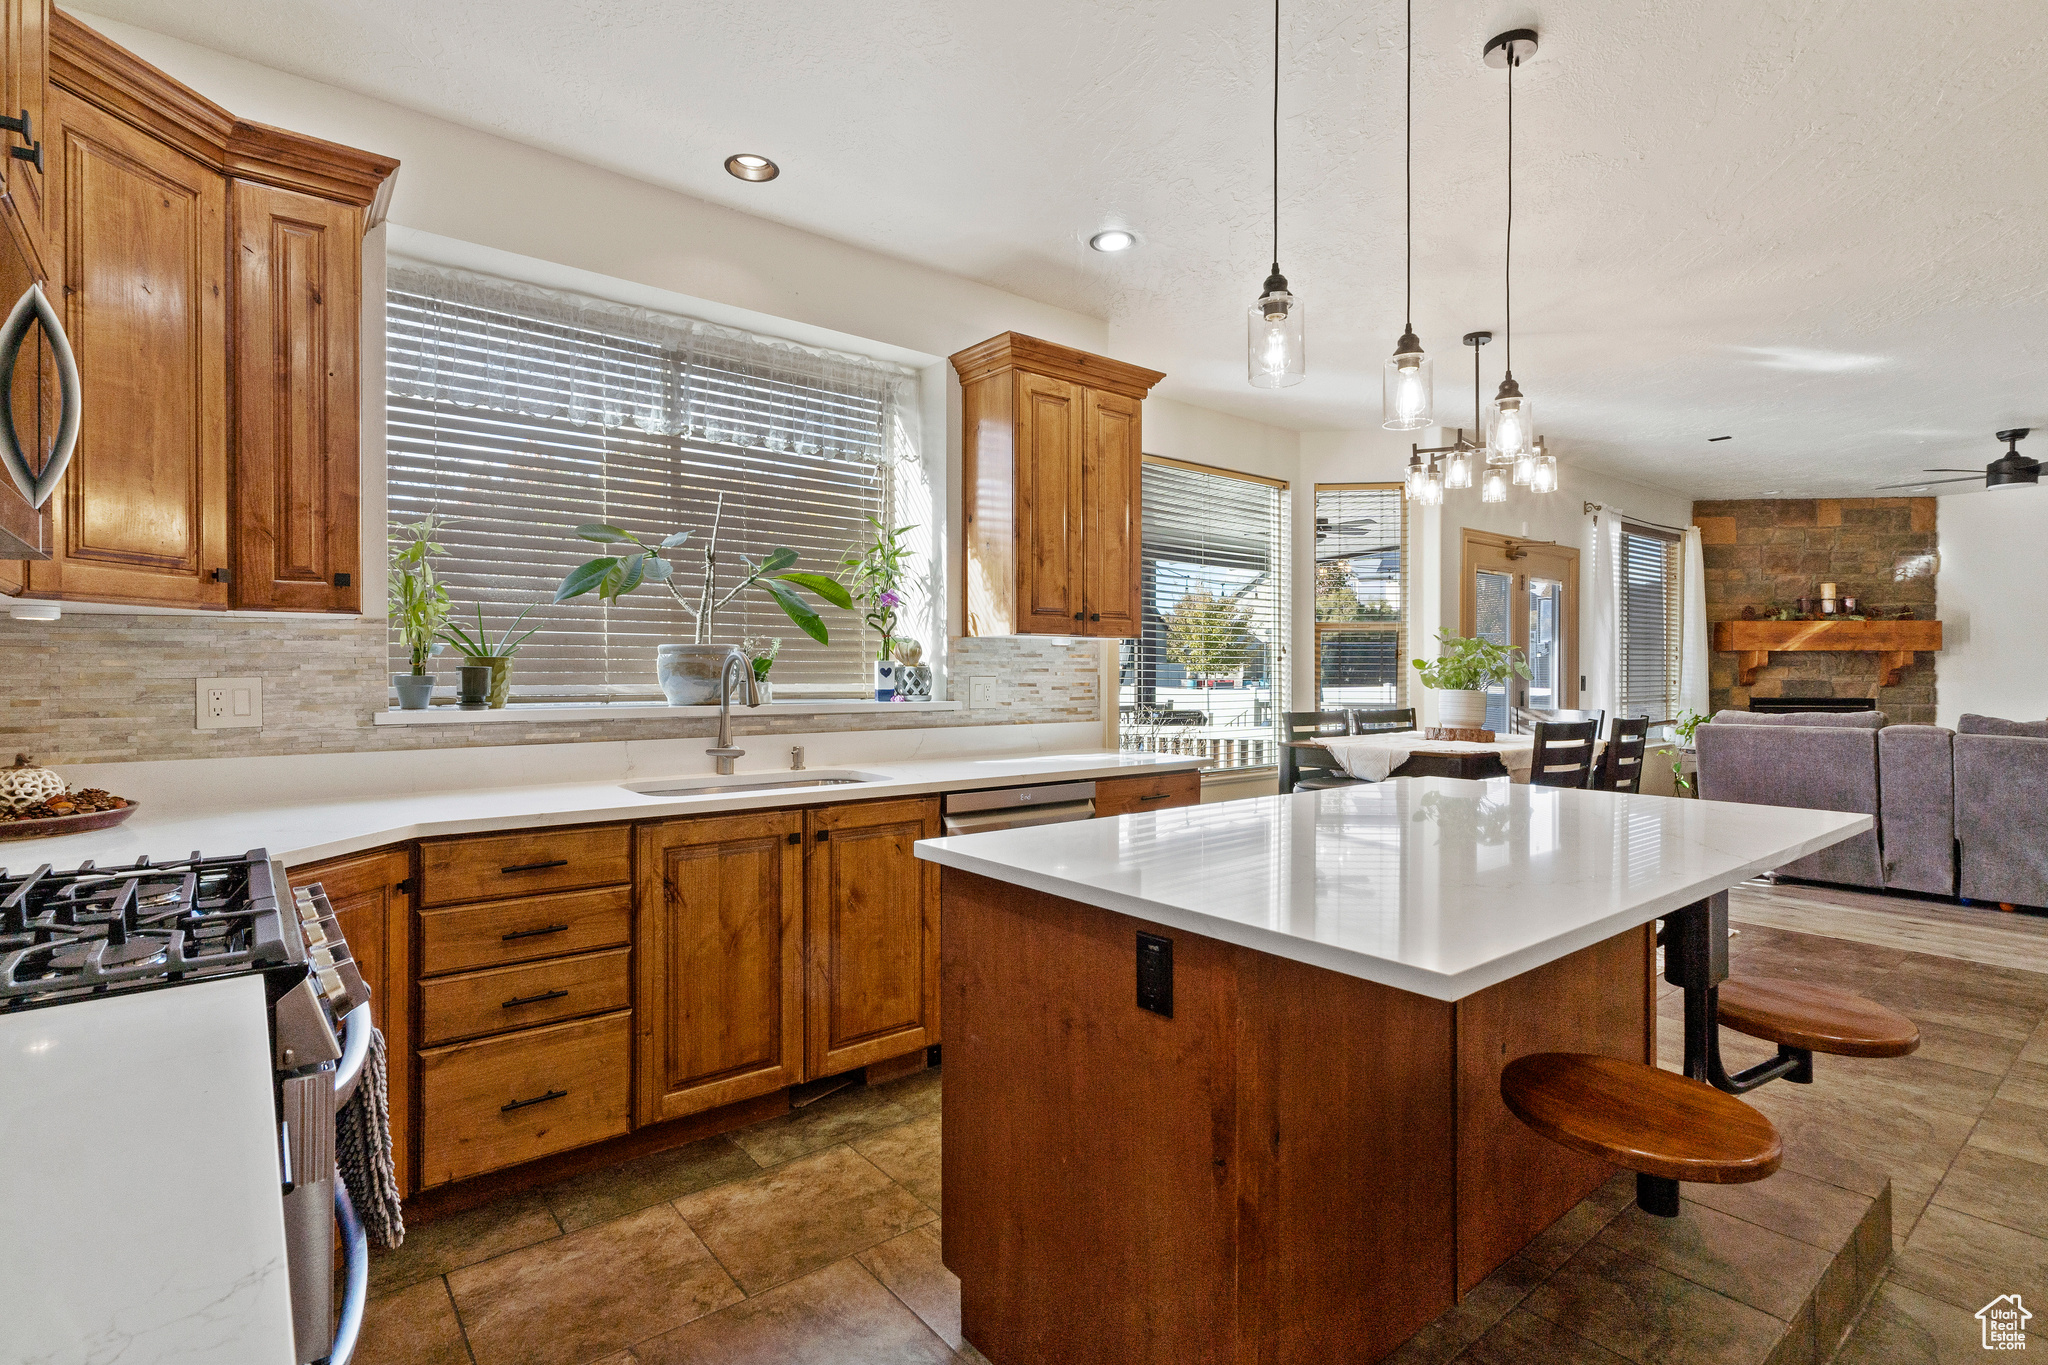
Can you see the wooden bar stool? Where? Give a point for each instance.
(1665, 1127)
(1817, 1018)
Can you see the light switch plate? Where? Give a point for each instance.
(981, 693)
(230, 703)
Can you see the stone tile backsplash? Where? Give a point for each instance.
(116, 688)
(1765, 552)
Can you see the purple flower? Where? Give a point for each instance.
(889, 598)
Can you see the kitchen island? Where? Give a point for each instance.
(1222, 1083)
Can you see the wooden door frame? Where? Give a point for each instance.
(1477, 546)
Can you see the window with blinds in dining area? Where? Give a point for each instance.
(1648, 561)
(1209, 668)
(517, 414)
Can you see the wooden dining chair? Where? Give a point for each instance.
(1310, 769)
(1522, 720)
(1564, 753)
(1621, 766)
(1383, 721)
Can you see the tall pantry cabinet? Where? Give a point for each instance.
(211, 289)
(1051, 456)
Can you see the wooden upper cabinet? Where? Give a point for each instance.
(297, 318)
(24, 94)
(871, 934)
(1052, 448)
(143, 514)
(719, 953)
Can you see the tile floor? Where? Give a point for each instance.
(813, 1237)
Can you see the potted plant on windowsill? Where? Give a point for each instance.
(1461, 674)
(691, 674)
(419, 606)
(876, 575)
(760, 655)
(483, 652)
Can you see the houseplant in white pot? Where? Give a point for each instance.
(691, 674)
(1461, 674)
(419, 606)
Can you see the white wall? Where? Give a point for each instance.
(1990, 596)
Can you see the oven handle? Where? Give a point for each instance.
(355, 1253)
(355, 1050)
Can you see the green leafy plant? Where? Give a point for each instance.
(1682, 730)
(479, 645)
(1207, 635)
(613, 576)
(875, 575)
(419, 604)
(1470, 665)
(760, 655)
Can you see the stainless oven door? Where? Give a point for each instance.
(1016, 807)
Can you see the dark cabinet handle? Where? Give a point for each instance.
(823, 835)
(536, 933)
(218, 575)
(536, 867)
(1095, 616)
(796, 838)
(1156, 796)
(33, 155)
(1077, 616)
(537, 1099)
(535, 999)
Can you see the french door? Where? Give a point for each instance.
(1526, 594)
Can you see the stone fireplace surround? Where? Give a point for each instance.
(1761, 552)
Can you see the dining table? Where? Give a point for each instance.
(1411, 753)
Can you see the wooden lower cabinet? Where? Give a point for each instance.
(871, 934)
(375, 917)
(500, 1101)
(1152, 791)
(720, 946)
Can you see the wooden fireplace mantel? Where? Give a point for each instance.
(1896, 641)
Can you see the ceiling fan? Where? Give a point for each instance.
(2010, 470)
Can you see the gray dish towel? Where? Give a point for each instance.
(362, 1149)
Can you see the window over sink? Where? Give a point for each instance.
(517, 414)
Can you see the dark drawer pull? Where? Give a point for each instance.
(534, 999)
(536, 867)
(536, 933)
(537, 1099)
(1156, 796)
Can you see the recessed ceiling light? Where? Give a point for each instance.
(748, 166)
(1115, 239)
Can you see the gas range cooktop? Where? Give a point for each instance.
(94, 931)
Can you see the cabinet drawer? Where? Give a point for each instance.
(478, 1003)
(519, 864)
(1153, 791)
(501, 1101)
(503, 932)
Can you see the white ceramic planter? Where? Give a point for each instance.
(1461, 710)
(690, 674)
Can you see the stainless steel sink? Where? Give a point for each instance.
(716, 788)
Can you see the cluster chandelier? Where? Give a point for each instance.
(1504, 448)
(1275, 354)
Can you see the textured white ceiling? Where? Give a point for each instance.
(1814, 225)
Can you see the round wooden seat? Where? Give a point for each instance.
(1654, 1122)
(1817, 1018)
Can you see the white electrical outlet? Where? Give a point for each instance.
(230, 703)
(981, 694)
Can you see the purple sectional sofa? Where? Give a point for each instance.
(1958, 812)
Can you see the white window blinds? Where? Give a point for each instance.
(517, 414)
(1361, 596)
(1203, 676)
(1648, 562)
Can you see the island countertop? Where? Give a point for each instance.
(1431, 885)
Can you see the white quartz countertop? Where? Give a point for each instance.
(216, 822)
(1431, 885)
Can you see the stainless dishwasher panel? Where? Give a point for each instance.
(978, 812)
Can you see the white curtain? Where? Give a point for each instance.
(484, 342)
(1692, 617)
(1601, 636)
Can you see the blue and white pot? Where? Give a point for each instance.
(885, 680)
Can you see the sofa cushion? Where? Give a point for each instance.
(1916, 770)
(2001, 798)
(1826, 720)
(1806, 767)
(1992, 725)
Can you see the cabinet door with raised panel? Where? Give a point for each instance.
(298, 294)
(871, 912)
(1048, 513)
(25, 77)
(720, 1003)
(1110, 515)
(376, 918)
(143, 515)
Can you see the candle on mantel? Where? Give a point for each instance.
(1827, 599)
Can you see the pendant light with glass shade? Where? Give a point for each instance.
(1510, 440)
(1275, 354)
(1406, 398)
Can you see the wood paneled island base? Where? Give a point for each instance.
(1296, 1166)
